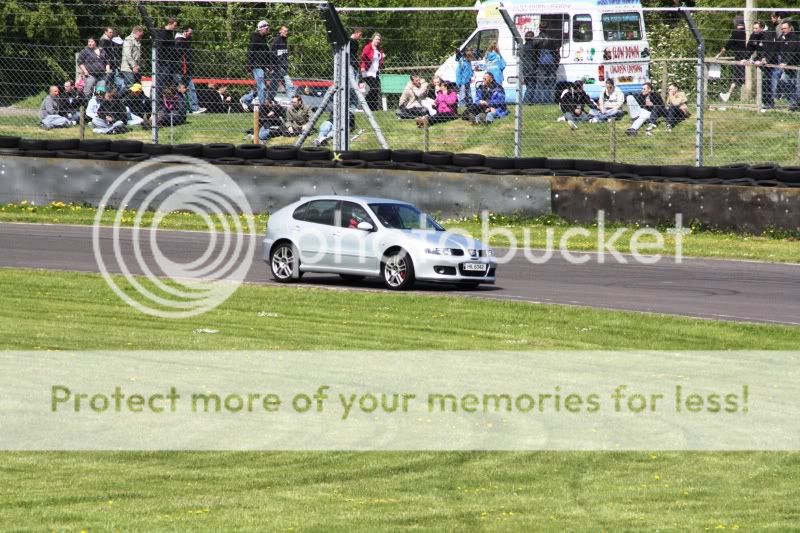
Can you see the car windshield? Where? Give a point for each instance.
(402, 216)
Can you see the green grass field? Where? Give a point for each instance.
(776, 246)
(733, 135)
(377, 491)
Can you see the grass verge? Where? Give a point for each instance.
(774, 246)
(377, 491)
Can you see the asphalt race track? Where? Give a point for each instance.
(702, 288)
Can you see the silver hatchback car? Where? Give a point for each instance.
(358, 237)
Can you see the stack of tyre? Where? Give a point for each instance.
(763, 175)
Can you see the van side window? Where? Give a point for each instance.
(582, 28)
(481, 41)
(621, 26)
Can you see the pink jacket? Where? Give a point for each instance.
(447, 102)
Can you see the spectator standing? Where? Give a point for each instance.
(572, 102)
(131, 56)
(184, 62)
(548, 58)
(50, 113)
(70, 102)
(164, 43)
(258, 63)
(411, 98)
(355, 44)
(93, 66)
(736, 45)
(464, 76)
(495, 64)
(761, 45)
(111, 44)
(298, 117)
(610, 104)
(372, 59)
(528, 58)
(647, 106)
(111, 115)
(788, 51)
(279, 71)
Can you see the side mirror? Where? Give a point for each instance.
(365, 226)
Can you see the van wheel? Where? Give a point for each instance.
(397, 271)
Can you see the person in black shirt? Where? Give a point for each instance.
(279, 70)
(70, 101)
(528, 59)
(111, 115)
(787, 48)
(761, 46)
(258, 63)
(737, 45)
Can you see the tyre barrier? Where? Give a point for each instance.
(738, 174)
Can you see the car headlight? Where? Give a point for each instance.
(439, 251)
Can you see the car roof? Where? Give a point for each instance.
(357, 199)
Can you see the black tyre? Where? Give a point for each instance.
(260, 162)
(708, 181)
(560, 164)
(320, 164)
(788, 174)
(413, 166)
(94, 145)
(102, 156)
(188, 149)
(762, 172)
(654, 179)
(71, 154)
(282, 152)
(376, 155)
(284, 263)
(229, 161)
(619, 168)
(407, 156)
(32, 144)
(292, 163)
(499, 163)
(313, 153)
(566, 172)
(476, 170)
(38, 153)
(351, 278)
(741, 182)
(7, 141)
(768, 183)
(678, 179)
(626, 176)
(702, 173)
(732, 172)
(536, 172)
(351, 163)
(58, 145)
(447, 168)
(397, 271)
(674, 171)
(387, 165)
(251, 151)
(126, 146)
(505, 172)
(646, 170)
(156, 149)
(6, 152)
(134, 157)
(595, 174)
(468, 160)
(586, 165)
(349, 155)
(217, 150)
(524, 163)
(437, 158)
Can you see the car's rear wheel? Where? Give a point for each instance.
(397, 271)
(285, 263)
(351, 277)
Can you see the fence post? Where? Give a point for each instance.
(256, 125)
(426, 137)
(512, 26)
(701, 85)
(82, 122)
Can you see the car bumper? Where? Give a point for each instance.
(455, 269)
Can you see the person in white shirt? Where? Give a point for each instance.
(610, 104)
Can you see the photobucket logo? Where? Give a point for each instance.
(155, 283)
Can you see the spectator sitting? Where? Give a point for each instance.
(215, 98)
(411, 99)
(491, 102)
(645, 107)
(446, 106)
(138, 105)
(611, 102)
(298, 116)
(94, 102)
(677, 106)
(271, 120)
(171, 109)
(434, 87)
(111, 115)
(572, 100)
(49, 112)
(70, 102)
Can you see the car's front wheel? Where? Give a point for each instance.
(397, 271)
(285, 263)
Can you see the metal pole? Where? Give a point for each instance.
(82, 122)
(315, 117)
(700, 74)
(518, 112)
(426, 138)
(256, 124)
(518, 128)
(154, 95)
(370, 117)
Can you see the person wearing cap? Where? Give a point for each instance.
(258, 62)
(737, 45)
(131, 56)
(93, 105)
(572, 102)
(138, 104)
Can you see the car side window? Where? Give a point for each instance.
(300, 212)
(353, 214)
(321, 212)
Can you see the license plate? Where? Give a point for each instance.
(476, 267)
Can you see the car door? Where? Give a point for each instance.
(356, 249)
(315, 233)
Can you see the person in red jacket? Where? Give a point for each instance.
(372, 58)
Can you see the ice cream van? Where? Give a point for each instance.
(599, 39)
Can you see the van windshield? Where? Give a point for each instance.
(621, 26)
(481, 41)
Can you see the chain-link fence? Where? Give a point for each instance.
(213, 72)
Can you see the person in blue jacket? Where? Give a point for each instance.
(495, 64)
(464, 76)
(490, 100)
